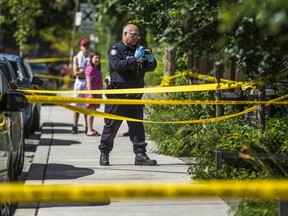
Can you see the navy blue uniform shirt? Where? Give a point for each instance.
(124, 68)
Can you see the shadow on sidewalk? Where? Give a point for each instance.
(57, 171)
(60, 124)
(57, 142)
(66, 204)
(96, 203)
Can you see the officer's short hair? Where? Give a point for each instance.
(125, 27)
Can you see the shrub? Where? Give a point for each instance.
(255, 208)
(200, 140)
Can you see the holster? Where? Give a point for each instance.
(113, 85)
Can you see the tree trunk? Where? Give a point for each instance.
(261, 108)
(189, 60)
(219, 69)
(20, 49)
(170, 61)
(189, 66)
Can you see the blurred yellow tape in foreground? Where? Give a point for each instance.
(269, 189)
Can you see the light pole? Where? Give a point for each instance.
(72, 43)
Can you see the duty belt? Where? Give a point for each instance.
(114, 85)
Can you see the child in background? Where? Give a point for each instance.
(93, 82)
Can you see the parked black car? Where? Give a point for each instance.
(25, 81)
(12, 103)
(17, 126)
(37, 83)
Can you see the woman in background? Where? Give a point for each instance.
(93, 82)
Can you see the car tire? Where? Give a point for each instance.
(5, 209)
(21, 156)
(15, 174)
(27, 130)
(36, 121)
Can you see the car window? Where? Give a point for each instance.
(39, 68)
(8, 70)
(4, 85)
(1, 87)
(29, 70)
(18, 69)
(3, 68)
(15, 67)
(24, 69)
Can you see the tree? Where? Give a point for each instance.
(36, 24)
(196, 36)
(259, 40)
(20, 14)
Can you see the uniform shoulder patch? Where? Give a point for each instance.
(113, 52)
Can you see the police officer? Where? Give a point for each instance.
(128, 64)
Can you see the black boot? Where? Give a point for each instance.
(74, 130)
(126, 133)
(143, 159)
(104, 159)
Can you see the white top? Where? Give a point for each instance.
(82, 60)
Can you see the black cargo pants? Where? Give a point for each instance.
(111, 127)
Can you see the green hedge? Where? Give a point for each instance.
(200, 140)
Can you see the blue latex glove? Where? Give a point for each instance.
(139, 53)
(150, 58)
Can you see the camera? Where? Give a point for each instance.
(147, 51)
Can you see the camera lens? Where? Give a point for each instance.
(147, 52)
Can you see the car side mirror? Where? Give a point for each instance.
(23, 83)
(13, 102)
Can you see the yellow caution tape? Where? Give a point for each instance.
(63, 102)
(53, 60)
(266, 190)
(205, 77)
(54, 77)
(167, 79)
(186, 88)
(115, 117)
(99, 114)
(48, 59)
(213, 79)
(2, 123)
(62, 99)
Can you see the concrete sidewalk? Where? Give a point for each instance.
(64, 158)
